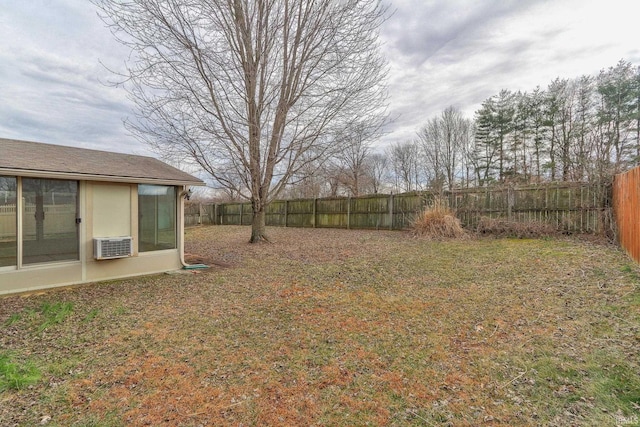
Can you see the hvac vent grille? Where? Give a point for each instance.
(112, 247)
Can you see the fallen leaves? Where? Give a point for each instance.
(338, 327)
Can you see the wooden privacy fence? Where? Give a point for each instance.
(57, 220)
(572, 207)
(626, 204)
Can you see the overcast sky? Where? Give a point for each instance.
(441, 53)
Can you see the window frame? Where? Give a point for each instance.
(19, 218)
(16, 209)
(72, 243)
(144, 246)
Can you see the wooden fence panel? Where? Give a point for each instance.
(276, 214)
(332, 213)
(192, 214)
(8, 222)
(406, 207)
(370, 212)
(230, 214)
(57, 221)
(300, 213)
(235, 214)
(568, 206)
(626, 207)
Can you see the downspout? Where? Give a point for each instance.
(185, 194)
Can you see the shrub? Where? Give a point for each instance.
(505, 228)
(437, 221)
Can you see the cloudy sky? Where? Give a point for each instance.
(441, 52)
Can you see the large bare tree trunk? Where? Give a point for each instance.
(258, 227)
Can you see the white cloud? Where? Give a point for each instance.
(54, 80)
(461, 52)
(441, 53)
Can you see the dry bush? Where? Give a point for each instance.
(505, 228)
(437, 221)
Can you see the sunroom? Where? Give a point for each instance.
(71, 215)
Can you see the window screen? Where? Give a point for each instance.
(157, 217)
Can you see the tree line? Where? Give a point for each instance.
(581, 129)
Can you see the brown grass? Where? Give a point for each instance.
(341, 328)
(437, 221)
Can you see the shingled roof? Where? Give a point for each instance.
(26, 158)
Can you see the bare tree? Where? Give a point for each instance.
(443, 141)
(404, 162)
(309, 182)
(250, 90)
(352, 160)
(378, 170)
(617, 103)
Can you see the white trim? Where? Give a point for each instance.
(159, 251)
(48, 264)
(19, 208)
(82, 227)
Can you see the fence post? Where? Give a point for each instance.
(313, 210)
(286, 213)
(557, 203)
(348, 212)
(390, 202)
(547, 212)
(510, 202)
(241, 212)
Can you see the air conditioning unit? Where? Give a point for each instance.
(112, 247)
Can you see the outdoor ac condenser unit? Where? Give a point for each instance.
(112, 247)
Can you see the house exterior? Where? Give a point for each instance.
(70, 215)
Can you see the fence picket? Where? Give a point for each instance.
(626, 207)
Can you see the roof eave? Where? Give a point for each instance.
(92, 177)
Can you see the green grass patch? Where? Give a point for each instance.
(16, 376)
(14, 318)
(614, 384)
(91, 315)
(54, 313)
(632, 271)
(62, 367)
(43, 317)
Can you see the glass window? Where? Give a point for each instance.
(156, 217)
(49, 229)
(8, 222)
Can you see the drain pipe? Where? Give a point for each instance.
(185, 194)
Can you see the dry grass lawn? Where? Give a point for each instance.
(337, 328)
